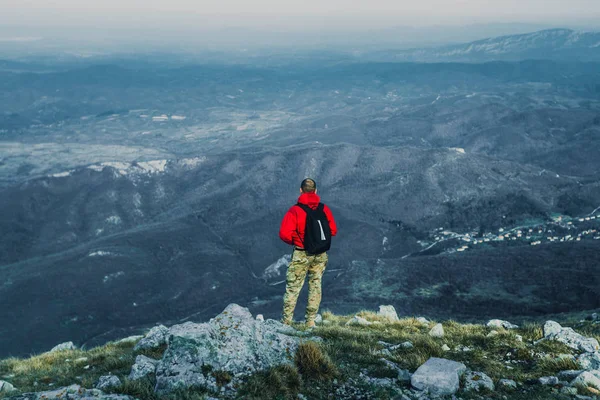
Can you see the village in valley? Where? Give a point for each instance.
(557, 229)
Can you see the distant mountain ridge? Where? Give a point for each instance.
(550, 44)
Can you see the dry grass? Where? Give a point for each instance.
(313, 363)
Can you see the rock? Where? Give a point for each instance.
(437, 331)
(358, 321)
(548, 380)
(587, 378)
(569, 375)
(63, 346)
(108, 382)
(156, 337)
(445, 347)
(519, 338)
(592, 317)
(260, 317)
(498, 323)
(403, 374)
(233, 342)
(570, 391)
(423, 320)
(477, 380)
(130, 339)
(403, 345)
(143, 367)
(438, 376)
(589, 360)
(73, 392)
(6, 387)
(318, 319)
(574, 340)
(389, 313)
(81, 360)
(492, 334)
(507, 384)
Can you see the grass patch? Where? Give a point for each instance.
(280, 383)
(313, 363)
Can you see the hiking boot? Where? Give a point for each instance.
(311, 324)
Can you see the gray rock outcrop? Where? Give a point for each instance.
(498, 323)
(548, 380)
(438, 376)
(143, 367)
(108, 382)
(156, 337)
(73, 392)
(388, 312)
(63, 346)
(478, 381)
(233, 342)
(554, 331)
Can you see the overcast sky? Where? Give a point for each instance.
(265, 12)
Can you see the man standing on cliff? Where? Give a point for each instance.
(308, 226)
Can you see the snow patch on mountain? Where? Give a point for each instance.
(274, 270)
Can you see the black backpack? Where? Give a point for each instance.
(317, 233)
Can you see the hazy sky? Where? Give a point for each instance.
(261, 12)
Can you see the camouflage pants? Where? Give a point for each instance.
(301, 265)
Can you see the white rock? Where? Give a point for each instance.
(574, 340)
(589, 360)
(519, 338)
(388, 312)
(260, 317)
(108, 382)
(63, 346)
(587, 378)
(507, 384)
(548, 380)
(358, 321)
(156, 337)
(498, 323)
(422, 320)
(318, 319)
(492, 334)
(437, 331)
(478, 380)
(438, 376)
(445, 347)
(143, 367)
(6, 387)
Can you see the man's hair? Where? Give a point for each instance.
(308, 186)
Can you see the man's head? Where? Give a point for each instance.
(308, 186)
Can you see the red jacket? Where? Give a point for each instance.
(294, 221)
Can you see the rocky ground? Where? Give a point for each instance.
(366, 356)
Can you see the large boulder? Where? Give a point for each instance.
(388, 312)
(232, 342)
(73, 392)
(554, 331)
(477, 381)
(156, 337)
(589, 360)
(438, 376)
(64, 346)
(143, 367)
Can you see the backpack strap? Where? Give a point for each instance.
(306, 208)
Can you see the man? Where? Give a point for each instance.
(308, 226)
